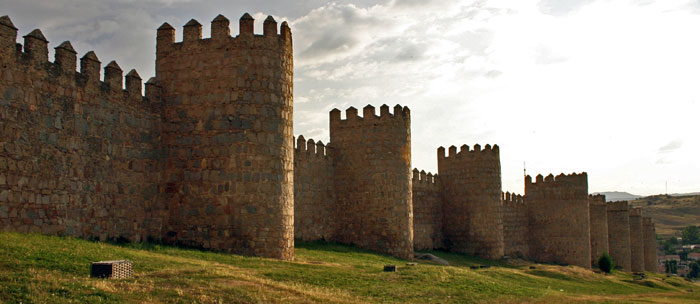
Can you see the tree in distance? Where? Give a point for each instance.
(691, 235)
(694, 270)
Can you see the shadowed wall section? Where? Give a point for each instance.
(427, 211)
(599, 226)
(558, 214)
(619, 234)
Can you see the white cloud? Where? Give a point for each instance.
(565, 86)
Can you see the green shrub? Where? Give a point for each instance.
(694, 270)
(606, 263)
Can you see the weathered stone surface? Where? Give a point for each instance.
(599, 227)
(558, 213)
(619, 234)
(516, 235)
(86, 158)
(372, 158)
(314, 192)
(427, 211)
(636, 240)
(649, 236)
(472, 221)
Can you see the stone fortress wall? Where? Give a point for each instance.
(471, 182)
(599, 226)
(559, 219)
(427, 211)
(314, 189)
(649, 237)
(619, 234)
(227, 137)
(207, 158)
(515, 226)
(636, 240)
(79, 154)
(372, 177)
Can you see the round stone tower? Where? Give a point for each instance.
(559, 223)
(472, 218)
(372, 157)
(227, 137)
(619, 234)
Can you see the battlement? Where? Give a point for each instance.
(635, 211)
(560, 180)
(512, 198)
(400, 115)
(310, 147)
(423, 178)
(465, 152)
(220, 33)
(34, 54)
(619, 206)
(596, 199)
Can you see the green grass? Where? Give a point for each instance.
(43, 269)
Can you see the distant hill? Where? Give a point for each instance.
(614, 196)
(670, 212)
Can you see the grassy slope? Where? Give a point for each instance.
(670, 213)
(43, 269)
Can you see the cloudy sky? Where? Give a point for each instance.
(607, 87)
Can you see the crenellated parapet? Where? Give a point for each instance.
(596, 199)
(33, 54)
(312, 150)
(401, 116)
(488, 152)
(272, 43)
(423, 179)
(512, 199)
(618, 206)
(562, 186)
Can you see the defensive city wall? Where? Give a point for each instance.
(206, 157)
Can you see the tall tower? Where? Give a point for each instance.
(558, 219)
(372, 157)
(472, 219)
(619, 234)
(636, 240)
(649, 235)
(227, 137)
(599, 227)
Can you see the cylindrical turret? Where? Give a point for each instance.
(471, 183)
(619, 234)
(599, 227)
(372, 158)
(228, 139)
(558, 214)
